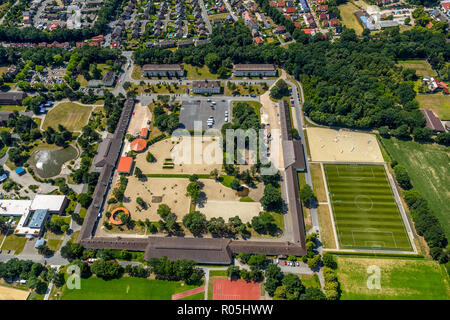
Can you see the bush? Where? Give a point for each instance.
(402, 177)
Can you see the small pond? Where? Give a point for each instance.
(48, 163)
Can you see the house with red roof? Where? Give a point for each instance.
(323, 8)
(325, 23)
(319, 2)
(290, 10)
(273, 3)
(281, 4)
(297, 24)
(125, 165)
(279, 30)
(334, 22)
(308, 31)
(323, 16)
(258, 40)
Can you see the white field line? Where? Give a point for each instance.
(329, 205)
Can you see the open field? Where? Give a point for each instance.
(365, 212)
(348, 18)
(172, 192)
(422, 67)
(438, 102)
(400, 279)
(7, 293)
(71, 115)
(428, 167)
(183, 155)
(139, 119)
(125, 289)
(317, 181)
(326, 227)
(198, 73)
(14, 243)
(245, 210)
(329, 145)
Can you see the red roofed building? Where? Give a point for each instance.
(258, 40)
(433, 121)
(138, 145)
(281, 4)
(290, 9)
(323, 8)
(273, 3)
(144, 133)
(325, 23)
(323, 16)
(334, 22)
(114, 44)
(279, 30)
(222, 8)
(297, 24)
(308, 31)
(125, 165)
(445, 5)
(320, 2)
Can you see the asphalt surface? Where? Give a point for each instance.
(195, 111)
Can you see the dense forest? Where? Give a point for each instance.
(351, 82)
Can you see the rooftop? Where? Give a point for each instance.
(125, 164)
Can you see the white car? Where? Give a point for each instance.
(226, 119)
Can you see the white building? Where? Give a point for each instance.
(33, 213)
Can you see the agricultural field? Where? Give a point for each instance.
(125, 289)
(422, 67)
(348, 18)
(401, 279)
(428, 169)
(365, 212)
(439, 103)
(71, 115)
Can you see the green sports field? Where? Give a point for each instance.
(125, 288)
(400, 279)
(365, 212)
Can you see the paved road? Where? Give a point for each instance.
(205, 16)
(233, 15)
(125, 75)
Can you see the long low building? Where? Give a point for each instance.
(163, 70)
(205, 86)
(254, 70)
(12, 97)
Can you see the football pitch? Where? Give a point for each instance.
(365, 212)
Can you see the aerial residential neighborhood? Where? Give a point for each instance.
(251, 150)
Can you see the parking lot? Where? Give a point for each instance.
(201, 110)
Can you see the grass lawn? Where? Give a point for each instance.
(163, 89)
(71, 115)
(217, 273)
(365, 212)
(349, 19)
(226, 180)
(54, 244)
(14, 243)
(438, 102)
(428, 168)
(400, 279)
(196, 73)
(255, 89)
(125, 289)
(136, 74)
(326, 227)
(197, 296)
(255, 104)
(422, 67)
(12, 108)
(317, 181)
(310, 280)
